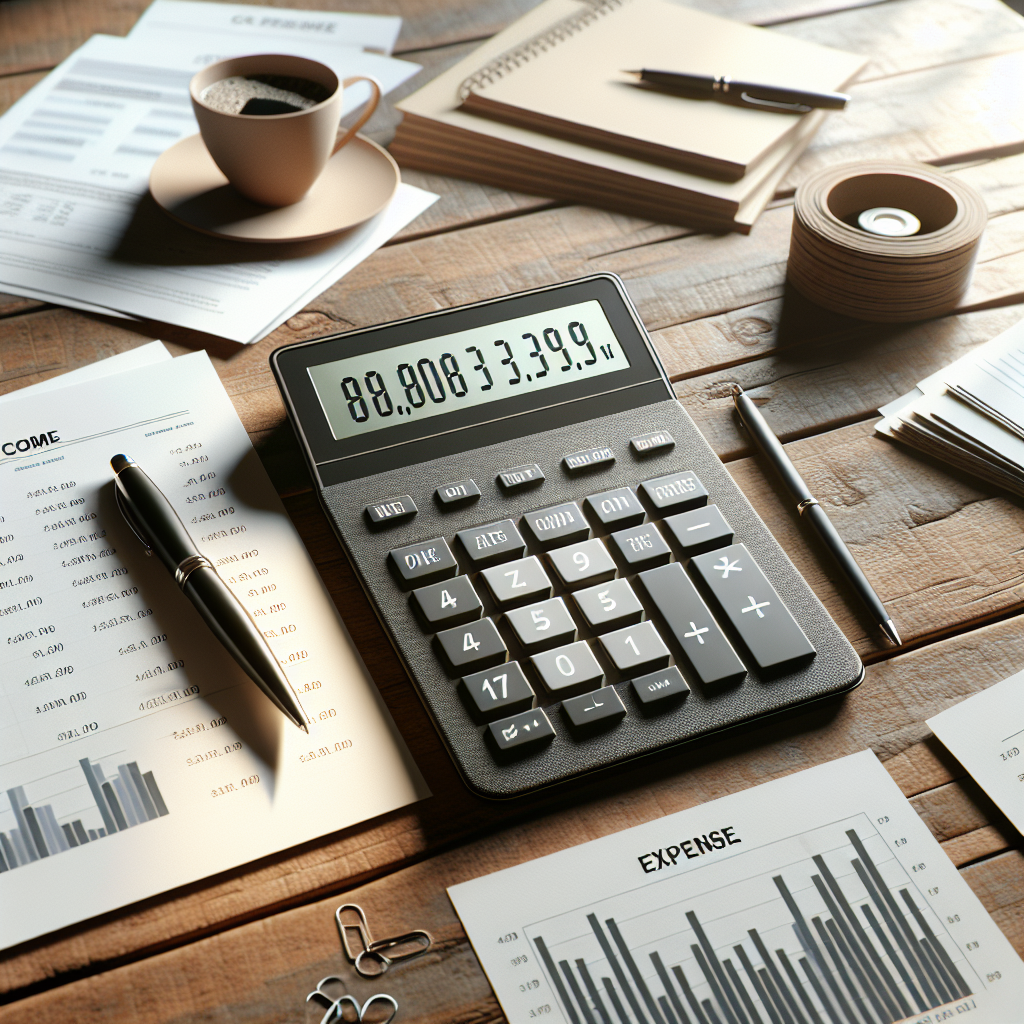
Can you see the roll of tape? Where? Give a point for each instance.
(840, 266)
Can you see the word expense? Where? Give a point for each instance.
(25, 444)
(693, 848)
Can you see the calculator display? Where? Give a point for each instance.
(438, 375)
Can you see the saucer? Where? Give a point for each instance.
(358, 182)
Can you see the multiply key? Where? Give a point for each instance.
(494, 542)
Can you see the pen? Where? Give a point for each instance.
(770, 97)
(152, 519)
(809, 508)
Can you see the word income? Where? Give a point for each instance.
(26, 443)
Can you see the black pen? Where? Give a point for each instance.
(153, 520)
(809, 508)
(768, 97)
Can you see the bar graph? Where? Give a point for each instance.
(117, 799)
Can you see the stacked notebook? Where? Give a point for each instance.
(546, 107)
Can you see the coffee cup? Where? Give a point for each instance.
(274, 158)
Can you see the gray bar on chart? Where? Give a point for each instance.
(773, 994)
(716, 989)
(21, 846)
(79, 830)
(666, 1010)
(549, 963)
(94, 781)
(576, 991)
(46, 814)
(606, 948)
(140, 787)
(883, 939)
(841, 968)
(613, 997)
(18, 805)
(122, 798)
(3, 862)
(154, 792)
(698, 1011)
(755, 982)
(928, 959)
(732, 1008)
(69, 835)
(581, 966)
(819, 991)
(101, 832)
(8, 848)
(35, 833)
(798, 986)
(132, 794)
(94, 835)
(638, 978)
(776, 976)
(710, 1011)
(950, 967)
(115, 807)
(666, 982)
(737, 983)
(54, 843)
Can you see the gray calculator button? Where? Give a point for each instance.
(493, 542)
(687, 618)
(666, 684)
(449, 603)
(547, 624)
(676, 492)
(457, 492)
(423, 563)
(521, 732)
(515, 583)
(756, 611)
(569, 670)
(636, 649)
(589, 458)
(596, 710)
(616, 508)
(582, 564)
(699, 530)
(475, 645)
(658, 440)
(391, 509)
(641, 547)
(520, 476)
(558, 524)
(497, 692)
(609, 606)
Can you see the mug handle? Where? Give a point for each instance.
(371, 106)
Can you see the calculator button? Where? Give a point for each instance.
(616, 509)
(659, 440)
(636, 649)
(458, 492)
(640, 548)
(392, 509)
(558, 524)
(424, 563)
(756, 611)
(596, 710)
(520, 476)
(547, 624)
(677, 492)
(664, 685)
(521, 732)
(449, 603)
(569, 670)
(492, 543)
(500, 691)
(589, 458)
(477, 645)
(699, 530)
(515, 583)
(581, 564)
(609, 606)
(687, 618)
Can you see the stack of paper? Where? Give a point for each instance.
(970, 414)
(79, 228)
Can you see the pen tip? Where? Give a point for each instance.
(890, 631)
(637, 73)
(736, 390)
(118, 462)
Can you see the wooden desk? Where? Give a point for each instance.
(944, 552)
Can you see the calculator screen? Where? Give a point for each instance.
(434, 376)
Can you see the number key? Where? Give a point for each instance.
(636, 649)
(498, 691)
(569, 670)
(609, 606)
(516, 583)
(478, 645)
(450, 603)
(547, 624)
(582, 564)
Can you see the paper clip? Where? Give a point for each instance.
(346, 1008)
(376, 956)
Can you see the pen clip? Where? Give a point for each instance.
(132, 522)
(787, 108)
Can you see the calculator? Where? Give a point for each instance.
(566, 569)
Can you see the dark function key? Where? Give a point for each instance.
(568, 670)
(520, 476)
(423, 563)
(477, 645)
(609, 606)
(494, 542)
(392, 509)
(636, 649)
(589, 458)
(699, 530)
(522, 732)
(677, 492)
(641, 547)
(445, 604)
(756, 611)
(616, 509)
(497, 692)
(547, 624)
(665, 685)
(558, 524)
(580, 564)
(516, 583)
(658, 440)
(458, 492)
(687, 618)
(597, 710)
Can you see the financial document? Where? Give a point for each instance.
(985, 733)
(820, 898)
(135, 754)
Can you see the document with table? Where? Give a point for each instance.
(135, 754)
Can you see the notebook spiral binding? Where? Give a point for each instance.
(543, 41)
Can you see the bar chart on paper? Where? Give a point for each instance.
(856, 919)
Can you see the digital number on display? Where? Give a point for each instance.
(486, 364)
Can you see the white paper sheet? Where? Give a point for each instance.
(985, 733)
(761, 902)
(107, 665)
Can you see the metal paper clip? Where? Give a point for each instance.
(376, 956)
(346, 1008)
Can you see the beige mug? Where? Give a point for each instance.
(275, 158)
